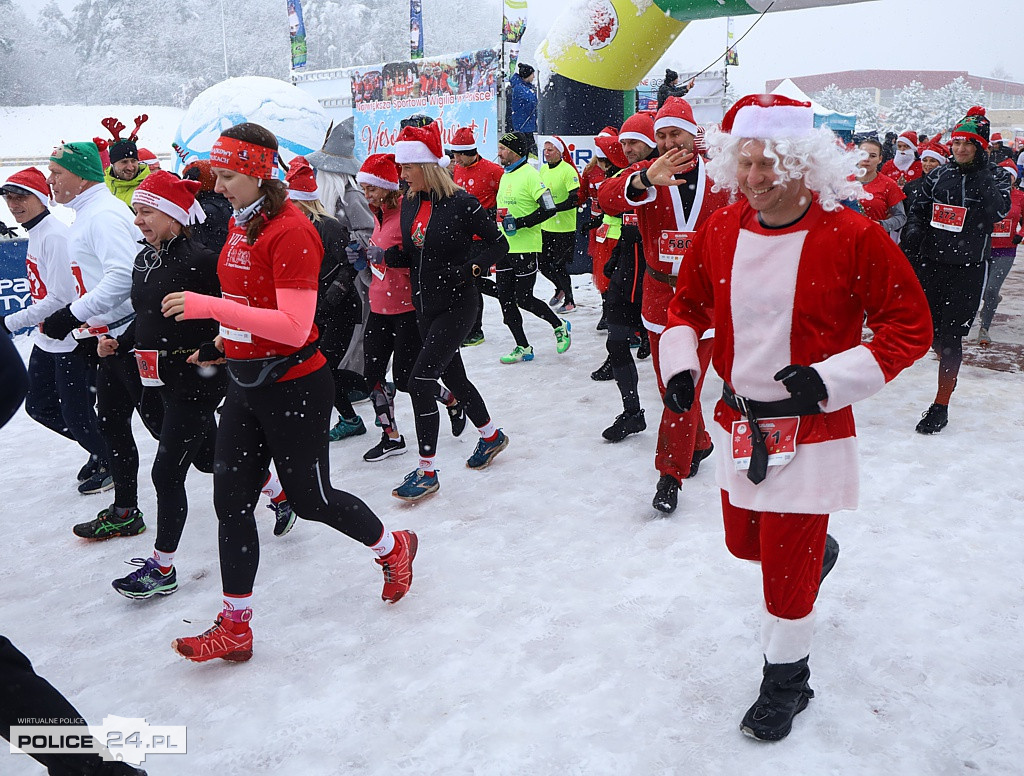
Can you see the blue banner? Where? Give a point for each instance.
(14, 289)
(458, 91)
(415, 29)
(297, 30)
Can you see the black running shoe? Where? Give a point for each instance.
(830, 557)
(603, 373)
(284, 517)
(934, 419)
(644, 350)
(89, 469)
(625, 424)
(457, 415)
(100, 481)
(386, 448)
(108, 524)
(667, 494)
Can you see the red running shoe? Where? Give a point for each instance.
(227, 639)
(398, 566)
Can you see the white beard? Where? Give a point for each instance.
(903, 160)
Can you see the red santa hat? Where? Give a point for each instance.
(149, 159)
(421, 145)
(639, 126)
(1009, 165)
(607, 132)
(30, 181)
(676, 112)
(171, 195)
(612, 150)
(908, 135)
(381, 171)
(769, 117)
(463, 140)
(301, 180)
(558, 143)
(698, 141)
(933, 149)
(997, 137)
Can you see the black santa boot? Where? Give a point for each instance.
(784, 694)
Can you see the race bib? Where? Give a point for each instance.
(630, 219)
(595, 208)
(779, 438)
(148, 362)
(84, 332)
(948, 217)
(235, 335)
(672, 247)
(378, 270)
(602, 233)
(1003, 229)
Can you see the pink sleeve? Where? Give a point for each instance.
(290, 324)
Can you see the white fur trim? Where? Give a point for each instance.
(304, 196)
(672, 121)
(373, 180)
(599, 153)
(850, 376)
(774, 123)
(823, 478)
(415, 152)
(657, 328)
(677, 353)
(444, 161)
(637, 136)
(650, 194)
(155, 201)
(786, 641)
(929, 154)
(454, 147)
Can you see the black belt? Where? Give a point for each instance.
(754, 410)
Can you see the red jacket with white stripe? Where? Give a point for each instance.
(659, 209)
(797, 295)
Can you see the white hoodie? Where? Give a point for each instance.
(49, 280)
(102, 245)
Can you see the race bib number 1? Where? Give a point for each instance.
(948, 217)
(779, 437)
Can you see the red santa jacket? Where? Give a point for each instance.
(1010, 225)
(915, 172)
(797, 295)
(660, 213)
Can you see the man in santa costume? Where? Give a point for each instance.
(904, 167)
(786, 277)
(672, 195)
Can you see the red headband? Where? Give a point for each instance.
(246, 158)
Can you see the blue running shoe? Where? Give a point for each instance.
(485, 451)
(417, 485)
(147, 581)
(347, 427)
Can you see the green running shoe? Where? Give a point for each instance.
(347, 427)
(519, 353)
(107, 525)
(563, 339)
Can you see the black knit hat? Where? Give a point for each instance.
(671, 75)
(975, 127)
(516, 142)
(525, 70)
(123, 149)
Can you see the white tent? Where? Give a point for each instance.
(832, 119)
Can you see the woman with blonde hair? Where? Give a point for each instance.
(439, 220)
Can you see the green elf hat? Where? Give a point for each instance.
(82, 159)
(974, 127)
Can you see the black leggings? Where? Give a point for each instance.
(287, 422)
(516, 275)
(61, 397)
(118, 393)
(384, 336)
(187, 438)
(623, 366)
(439, 358)
(554, 261)
(334, 339)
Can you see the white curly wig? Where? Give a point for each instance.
(826, 168)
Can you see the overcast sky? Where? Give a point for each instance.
(883, 34)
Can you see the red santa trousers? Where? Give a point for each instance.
(680, 435)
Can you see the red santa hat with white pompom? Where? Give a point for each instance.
(170, 194)
(769, 117)
(379, 170)
(463, 140)
(421, 145)
(301, 180)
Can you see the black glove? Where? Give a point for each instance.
(7, 231)
(679, 393)
(472, 270)
(60, 324)
(1017, 239)
(803, 383)
(336, 293)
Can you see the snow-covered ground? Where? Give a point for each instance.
(557, 624)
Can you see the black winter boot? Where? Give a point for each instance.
(784, 694)
(934, 419)
(667, 494)
(625, 424)
(604, 372)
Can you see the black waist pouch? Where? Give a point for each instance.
(257, 372)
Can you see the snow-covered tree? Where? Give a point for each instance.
(951, 104)
(910, 109)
